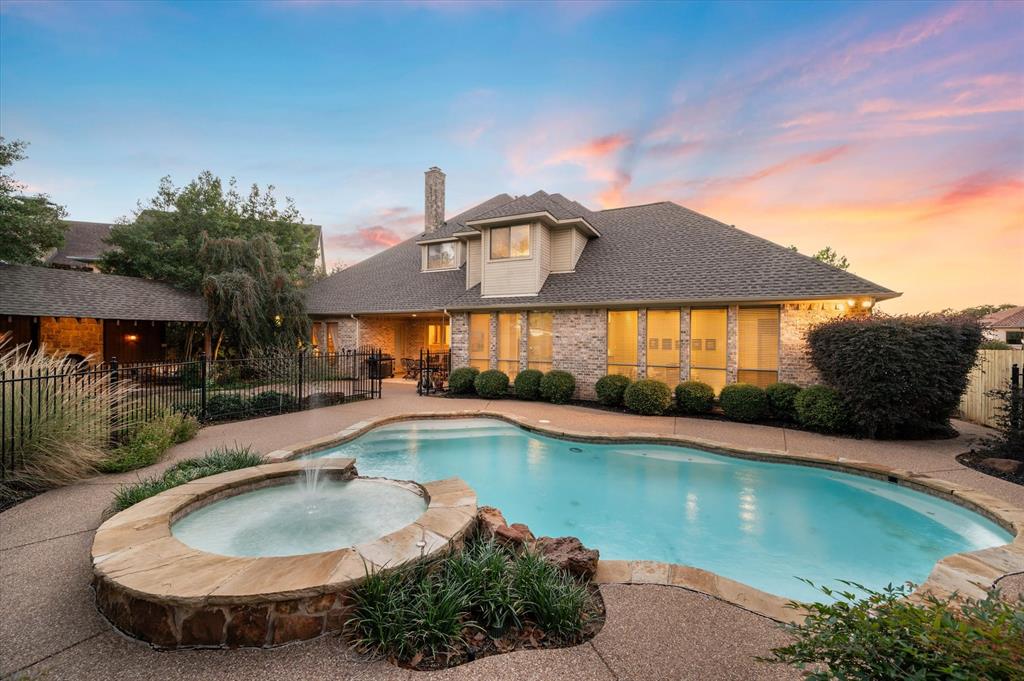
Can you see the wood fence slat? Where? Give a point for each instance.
(991, 372)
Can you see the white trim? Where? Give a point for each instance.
(425, 242)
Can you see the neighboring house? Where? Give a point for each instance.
(541, 281)
(1006, 325)
(85, 243)
(87, 314)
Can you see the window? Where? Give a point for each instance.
(438, 336)
(759, 345)
(539, 346)
(510, 242)
(480, 341)
(708, 332)
(441, 256)
(622, 350)
(663, 346)
(508, 343)
(1014, 337)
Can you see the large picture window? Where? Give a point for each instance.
(708, 332)
(622, 337)
(441, 256)
(510, 242)
(663, 346)
(539, 345)
(508, 343)
(480, 340)
(438, 337)
(759, 345)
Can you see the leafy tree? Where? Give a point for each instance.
(829, 257)
(29, 225)
(979, 311)
(164, 239)
(252, 299)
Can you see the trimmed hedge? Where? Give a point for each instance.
(611, 389)
(694, 397)
(272, 402)
(557, 386)
(744, 402)
(224, 406)
(461, 380)
(491, 384)
(898, 376)
(780, 401)
(528, 384)
(820, 408)
(647, 397)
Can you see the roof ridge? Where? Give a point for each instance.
(641, 205)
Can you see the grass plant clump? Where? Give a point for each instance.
(148, 443)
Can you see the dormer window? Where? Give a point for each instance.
(510, 242)
(441, 256)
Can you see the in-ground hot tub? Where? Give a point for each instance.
(189, 567)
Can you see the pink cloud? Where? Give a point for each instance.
(596, 148)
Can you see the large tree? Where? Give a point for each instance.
(163, 239)
(30, 226)
(829, 257)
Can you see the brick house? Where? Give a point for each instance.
(92, 315)
(541, 281)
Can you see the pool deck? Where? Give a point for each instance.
(50, 628)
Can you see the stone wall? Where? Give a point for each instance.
(580, 347)
(72, 336)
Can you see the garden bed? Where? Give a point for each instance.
(975, 460)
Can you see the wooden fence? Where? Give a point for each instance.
(991, 372)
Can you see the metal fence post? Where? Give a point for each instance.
(115, 407)
(202, 386)
(1016, 398)
(298, 379)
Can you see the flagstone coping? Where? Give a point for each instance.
(969, 574)
(154, 587)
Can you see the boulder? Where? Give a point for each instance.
(488, 520)
(1006, 466)
(570, 554)
(515, 535)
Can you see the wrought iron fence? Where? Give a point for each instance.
(432, 372)
(210, 390)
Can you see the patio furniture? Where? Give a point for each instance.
(411, 367)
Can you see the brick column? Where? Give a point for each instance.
(732, 356)
(684, 344)
(460, 339)
(492, 351)
(524, 340)
(641, 343)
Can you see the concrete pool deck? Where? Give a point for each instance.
(49, 626)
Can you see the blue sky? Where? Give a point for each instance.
(890, 131)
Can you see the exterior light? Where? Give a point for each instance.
(866, 304)
(278, 320)
(131, 337)
(851, 303)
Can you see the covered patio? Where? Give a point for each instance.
(402, 337)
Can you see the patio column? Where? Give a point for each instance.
(684, 344)
(524, 340)
(732, 357)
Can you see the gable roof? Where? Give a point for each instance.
(1010, 318)
(83, 244)
(48, 292)
(659, 252)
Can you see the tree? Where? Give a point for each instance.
(164, 239)
(829, 257)
(252, 299)
(30, 226)
(979, 311)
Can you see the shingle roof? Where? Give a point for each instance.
(83, 243)
(458, 223)
(1010, 318)
(654, 252)
(49, 292)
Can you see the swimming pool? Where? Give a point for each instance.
(760, 523)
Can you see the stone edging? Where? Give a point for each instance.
(154, 587)
(969, 574)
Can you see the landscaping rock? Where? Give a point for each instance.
(1007, 466)
(489, 519)
(514, 535)
(570, 554)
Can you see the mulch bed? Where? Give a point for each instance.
(974, 460)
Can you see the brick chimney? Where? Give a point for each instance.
(433, 200)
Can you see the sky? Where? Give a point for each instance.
(892, 132)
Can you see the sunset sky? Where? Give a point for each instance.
(892, 132)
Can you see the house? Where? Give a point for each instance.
(542, 281)
(1006, 325)
(100, 316)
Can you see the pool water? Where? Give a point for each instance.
(763, 524)
(308, 516)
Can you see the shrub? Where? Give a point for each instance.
(820, 408)
(491, 384)
(611, 389)
(224, 406)
(648, 397)
(271, 402)
(898, 376)
(190, 375)
(694, 397)
(557, 386)
(461, 380)
(528, 384)
(217, 461)
(148, 443)
(780, 400)
(994, 345)
(744, 402)
(883, 635)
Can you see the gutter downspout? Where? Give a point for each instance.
(357, 328)
(449, 316)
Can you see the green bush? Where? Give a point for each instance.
(781, 398)
(647, 397)
(898, 376)
(224, 406)
(491, 384)
(744, 402)
(217, 461)
(190, 375)
(271, 402)
(148, 443)
(994, 345)
(461, 380)
(883, 635)
(528, 384)
(820, 408)
(694, 397)
(557, 386)
(611, 389)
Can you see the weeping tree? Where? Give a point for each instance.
(254, 305)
